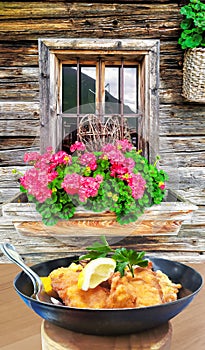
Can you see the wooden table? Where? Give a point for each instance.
(20, 327)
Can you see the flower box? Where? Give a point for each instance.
(163, 219)
(115, 192)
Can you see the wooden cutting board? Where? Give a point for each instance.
(56, 338)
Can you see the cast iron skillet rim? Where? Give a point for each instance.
(64, 307)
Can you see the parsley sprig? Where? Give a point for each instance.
(125, 258)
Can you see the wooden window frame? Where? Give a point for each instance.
(52, 52)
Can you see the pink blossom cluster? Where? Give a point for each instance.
(137, 184)
(36, 179)
(84, 187)
(89, 160)
(124, 145)
(115, 153)
(58, 158)
(77, 146)
(122, 166)
(31, 157)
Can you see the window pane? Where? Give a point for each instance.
(130, 101)
(112, 91)
(69, 89)
(82, 90)
(87, 89)
(113, 87)
(130, 89)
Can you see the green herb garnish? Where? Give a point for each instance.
(125, 258)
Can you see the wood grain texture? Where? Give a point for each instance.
(57, 338)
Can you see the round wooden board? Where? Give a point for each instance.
(56, 338)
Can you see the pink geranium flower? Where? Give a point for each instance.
(89, 187)
(118, 169)
(89, 160)
(124, 145)
(77, 146)
(71, 183)
(61, 157)
(36, 183)
(114, 156)
(137, 185)
(85, 187)
(31, 157)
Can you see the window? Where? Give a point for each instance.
(106, 89)
(109, 86)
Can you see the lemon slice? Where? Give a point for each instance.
(47, 286)
(96, 272)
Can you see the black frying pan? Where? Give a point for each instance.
(111, 321)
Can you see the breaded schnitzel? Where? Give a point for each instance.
(65, 282)
(146, 288)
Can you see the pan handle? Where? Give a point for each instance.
(11, 253)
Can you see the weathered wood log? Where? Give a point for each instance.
(16, 10)
(20, 142)
(19, 110)
(7, 193)
(195, 195)
(16, 156)
(17, 128)
(188, 159)
(19, 74)
(183, 144)
(15, 54)
(20, 91)
(182, 120)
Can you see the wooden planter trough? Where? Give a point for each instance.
(162, 219)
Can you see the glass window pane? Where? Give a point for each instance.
(112, 91)
(69, 89)
(113, 84)
(130, 89)
(87, 89)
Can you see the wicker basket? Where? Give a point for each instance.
(194, 75)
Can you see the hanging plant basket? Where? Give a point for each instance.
(194, 75)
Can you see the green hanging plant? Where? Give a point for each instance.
(193, 25)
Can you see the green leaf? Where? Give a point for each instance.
(125, 258)
(193, 41)
(56, 208)
(50, 221)
(193, 24)
(130, 258)
(186, 23)
(46, 213)
(121, 266)
(97, 250)
(22, 189)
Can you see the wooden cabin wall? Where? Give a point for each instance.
(181, 123)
